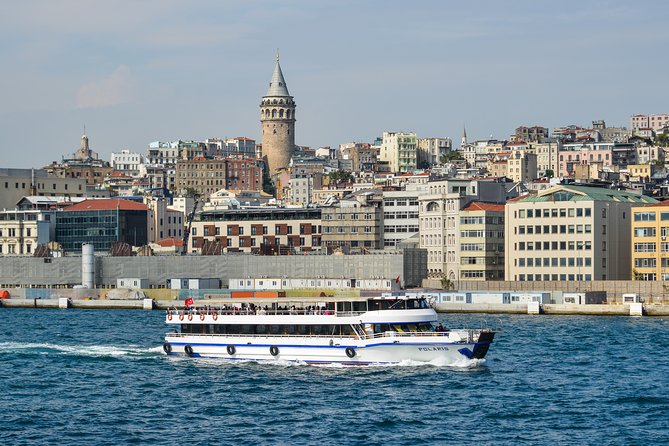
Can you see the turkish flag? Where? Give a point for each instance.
(188, 302)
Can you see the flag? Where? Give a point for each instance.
(397, 279)
(188, 302)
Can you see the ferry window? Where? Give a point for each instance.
(274, 329)
(303, 329)
(359, 306)
(246, 329)
(261, 329)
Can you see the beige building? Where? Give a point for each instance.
(261, 231)
(430, 150)
(22, 230)
(17, 183)
(400, 150)
(570, 233)
(355, 224)
(650, 242)
(482, 242)
(439, 215)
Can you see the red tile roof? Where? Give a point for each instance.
(170, 242)
(107, 204)
(476, 206)
(659, 203)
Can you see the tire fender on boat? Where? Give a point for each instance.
(231, 350)
(167, 348)
(274, 350)
(350, 352)
(189, 350)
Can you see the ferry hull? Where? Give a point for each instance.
(341, 351)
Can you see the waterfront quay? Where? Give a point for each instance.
(638, 309)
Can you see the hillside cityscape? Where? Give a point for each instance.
(570, 203)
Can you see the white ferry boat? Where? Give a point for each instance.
(357, 331)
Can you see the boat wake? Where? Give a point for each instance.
(108, 351)
(461, 364)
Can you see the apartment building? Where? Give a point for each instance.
(261, 231)
(570, 233)
(127, 162)
(430, 150)
(362, 155)
(653, 122)
(650, 242)
(400, 150)
(22, 230)
(439, 215)
(482, 242)
(354, 224)
(400, 214)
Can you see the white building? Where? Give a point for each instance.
(127, 162)
(400, 150)
(430, 150)
(400, 214)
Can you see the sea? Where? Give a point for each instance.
(99, 377)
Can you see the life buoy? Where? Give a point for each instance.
(167, 348)
(190, 316)
(189, 350)
(231, 350)
(181, 317)
(169, 315)
(201, 316)
(350, 352)
(274, 350)
(215, 315)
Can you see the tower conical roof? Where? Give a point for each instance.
(277, 86)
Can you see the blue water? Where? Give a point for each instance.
(90, 377)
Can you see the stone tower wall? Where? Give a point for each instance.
(278, 132)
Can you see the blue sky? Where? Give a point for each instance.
(134, 72)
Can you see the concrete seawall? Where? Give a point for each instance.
(547, 309)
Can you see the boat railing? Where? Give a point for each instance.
(236, 311)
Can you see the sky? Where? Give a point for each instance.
(133, 72)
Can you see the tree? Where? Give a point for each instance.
(446, 283)
(267, 185)
(662, 140)
(341, 176)
(451, 156)
(423, 165)
(549, 173)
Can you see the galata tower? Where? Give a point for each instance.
(277, 116)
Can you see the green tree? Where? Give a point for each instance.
(451, 156)
(341, 176)
(549, 173)
(446, 283)
(662, 140)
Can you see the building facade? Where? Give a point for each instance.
(570, 233)
(277, 118)
(102, 223)
(261, 231)
(400, 150)
(482, 242)
(354, 225)
(650, 242)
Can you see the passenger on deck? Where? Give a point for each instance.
(440, 328)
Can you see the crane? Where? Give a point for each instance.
(191, 216)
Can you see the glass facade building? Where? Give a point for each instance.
(101, 228)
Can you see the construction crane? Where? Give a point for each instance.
(191, 216)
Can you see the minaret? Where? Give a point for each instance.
(277, 117)
(463, 142)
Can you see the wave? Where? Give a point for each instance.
(109, 351)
